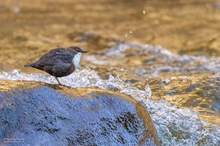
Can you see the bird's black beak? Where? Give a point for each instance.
(85, 51)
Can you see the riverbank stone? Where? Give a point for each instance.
(34, 113)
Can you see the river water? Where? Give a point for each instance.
(165, 54)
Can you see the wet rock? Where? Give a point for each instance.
(35, 113)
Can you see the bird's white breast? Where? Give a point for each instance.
(76, 59)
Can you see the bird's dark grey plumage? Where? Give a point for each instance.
(59, 62)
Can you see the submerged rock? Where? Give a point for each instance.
(35, 113)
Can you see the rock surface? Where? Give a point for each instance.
(36, 114)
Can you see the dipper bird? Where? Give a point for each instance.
(59, 62)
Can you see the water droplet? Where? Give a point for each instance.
(16, 9)
(123, 69)
(148, 90)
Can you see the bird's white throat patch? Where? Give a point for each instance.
(76, 59)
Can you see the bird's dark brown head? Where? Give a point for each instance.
(74, 50)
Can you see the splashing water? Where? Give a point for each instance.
(149, 61)
(175, 126)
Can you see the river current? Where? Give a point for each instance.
(185, 108)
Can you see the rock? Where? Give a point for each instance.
(36, 114)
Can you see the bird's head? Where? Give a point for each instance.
(75, 50)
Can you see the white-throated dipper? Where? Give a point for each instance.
(59, 62)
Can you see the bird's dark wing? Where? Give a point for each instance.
(58, 55)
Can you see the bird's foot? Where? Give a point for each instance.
(65, 85)
(62, 84)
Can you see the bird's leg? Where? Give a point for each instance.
(58, 81)
(61, 84)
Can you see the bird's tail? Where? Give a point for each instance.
(29, 65)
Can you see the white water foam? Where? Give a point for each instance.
(175, 126)
(165, 61)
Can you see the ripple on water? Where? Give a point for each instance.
(153, 61)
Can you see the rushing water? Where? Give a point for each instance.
(192, 97)
(176, 75)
